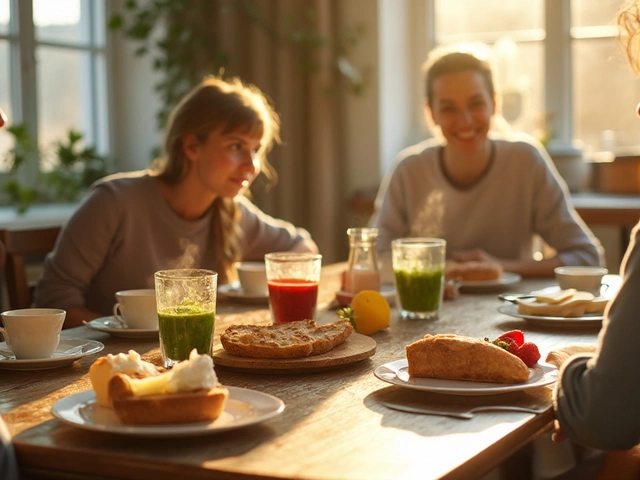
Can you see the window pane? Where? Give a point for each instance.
(6, 141)
(588, 13)
(61, 21)
(464, 17)
(604, 102)
(4, 17)
(62, 93)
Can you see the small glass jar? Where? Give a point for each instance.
(362, 272)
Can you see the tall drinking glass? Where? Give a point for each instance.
(293, 285)
(418, 265)
(186, 301)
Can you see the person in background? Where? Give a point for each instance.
(486, 194)
(190, 212)
(8, 462)
(597, 395)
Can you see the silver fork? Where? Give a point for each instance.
(464, 415)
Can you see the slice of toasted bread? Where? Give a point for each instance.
(289, 340)
(573, 306)
(456, 357)
(185, 407)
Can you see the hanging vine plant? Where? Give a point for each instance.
(167, 30)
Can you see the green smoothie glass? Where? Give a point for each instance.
(186, 301)
(418, 265)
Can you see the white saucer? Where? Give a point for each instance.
(551, 321)
(235, 292)
(343, 298)
(396, 374)
(244, 407)
(115, 328)
(69, 350)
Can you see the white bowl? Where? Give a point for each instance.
(584, 279)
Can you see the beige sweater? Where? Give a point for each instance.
(124, 231)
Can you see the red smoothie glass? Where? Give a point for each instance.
(293, 285)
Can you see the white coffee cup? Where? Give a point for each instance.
(33, 333)
(253, 277)
(582, 278)
(137, 309)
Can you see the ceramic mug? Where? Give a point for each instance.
(137, 309)
(32, 333)
(253, 277)
(582, 278)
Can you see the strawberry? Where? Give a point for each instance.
(528, 353)
(508, 343)
(516, 335)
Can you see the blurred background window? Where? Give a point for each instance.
(53, 70)
(532, 42)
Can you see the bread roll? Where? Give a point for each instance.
(455, 357)
(473, 271)
(182, 407)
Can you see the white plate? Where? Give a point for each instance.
(234, 291)
(244, 407)
(69, 350)
(388, 292)
(507, 278)
(586, 320)
(396, 373)
(113, 327)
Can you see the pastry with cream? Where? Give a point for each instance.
(189, 392)
(104, 368)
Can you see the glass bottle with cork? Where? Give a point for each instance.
(362, 272)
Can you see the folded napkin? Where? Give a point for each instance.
(558, 357)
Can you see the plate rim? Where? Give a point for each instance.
(103, 328)
(66, 408)
(549, 376)
(16, 364)
(507, 278)
(234, 290)
(549, 319)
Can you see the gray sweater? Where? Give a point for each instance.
(597, 396)
(124, 231)
(520, 195)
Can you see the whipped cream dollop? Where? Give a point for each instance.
(194, 374)
(131, 363)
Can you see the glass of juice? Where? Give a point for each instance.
(418, 265)
(186, 302)
(293, 280)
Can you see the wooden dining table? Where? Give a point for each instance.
(334, 425)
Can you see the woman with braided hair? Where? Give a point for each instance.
(188, 211)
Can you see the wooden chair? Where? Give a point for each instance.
(20, 245)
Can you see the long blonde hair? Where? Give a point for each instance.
(229, 105)
(629, 38)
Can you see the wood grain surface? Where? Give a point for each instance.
(334, 426)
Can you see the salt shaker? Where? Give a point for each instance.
(362, 272)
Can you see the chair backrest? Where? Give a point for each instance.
(20, 244)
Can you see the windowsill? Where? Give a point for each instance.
(38, 216)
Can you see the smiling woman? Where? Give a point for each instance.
(189, 212)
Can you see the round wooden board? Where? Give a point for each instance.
(354, 349)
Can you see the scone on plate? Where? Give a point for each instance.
(456, 357)
(473, 271)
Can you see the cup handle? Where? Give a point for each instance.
(6, 336)
(117, 317)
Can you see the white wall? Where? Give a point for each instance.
(133, 103)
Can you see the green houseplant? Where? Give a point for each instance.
(62, 176)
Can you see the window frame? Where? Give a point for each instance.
(23, 45)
